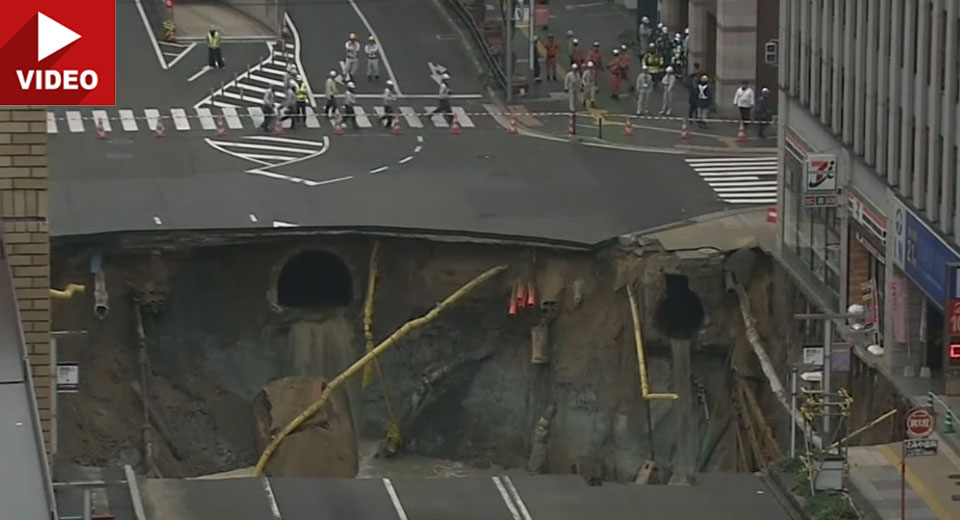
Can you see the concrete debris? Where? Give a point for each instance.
(538, 453)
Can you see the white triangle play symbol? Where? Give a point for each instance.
(52, 36)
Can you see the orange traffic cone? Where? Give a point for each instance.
(221, 126)
(571, 128)
(684, 131)
(521, 295)
(513, 126)
(159, 132)
(278, 127)
(396, 127)
(512, 307)
(338, 128)
(742, 134)
(455, 128)
(531, 294)
(628, 127)
(101, 132)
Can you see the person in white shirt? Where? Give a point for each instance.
(352, 52)
(572, 84)
(744, 101)
(372, 50)
(389, 99)
(669, 81)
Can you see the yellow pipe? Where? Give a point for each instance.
(864, 428)
(366, 359)
(68, 292)
(641, 357)
(368, 309)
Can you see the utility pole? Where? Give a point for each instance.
(508, 51)
(531, 35)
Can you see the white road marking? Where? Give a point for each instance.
(401, 514)
(420, 96)
(731, 179)
(379, 170)
(253, 146)
(249, 99)
(362, 120)
(264, 79)
(410, 116)
(311, 119)
(419, 138)
(201, 72)
(287, 140)
(417, 149)
(739, 180)
(253, 218)
(206, 119)
(296, 47)
(100, 117)
(271, 499)
(383, 53)
(581, 6)
(744, 188)
(462, 117)
(244, 87)
(128, 121)
(233, 120)
(180, 120)
(182, 54)
(331, 181)
(506, 499)
(153, 116)
(280, 223)
(439, 120)
(730, 159)
(223, 104)
(272, 160)
(157, 221)
(74, 121)
(51, 123)
(149, 29)
(516, 498)
(256, 115)
(406, 159)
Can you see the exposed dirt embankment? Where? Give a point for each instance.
(230, 319)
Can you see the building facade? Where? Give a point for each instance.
(869, 198)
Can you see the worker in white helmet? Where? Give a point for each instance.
(669, 82)
(349, 101)
(572, 84)
(389, 101)
(588, 82)
(372, 50)
(331, 90)
(443, 99)
(352, 48)
(644, 89)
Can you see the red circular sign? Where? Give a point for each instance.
(920, 423)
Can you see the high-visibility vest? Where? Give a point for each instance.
(302, 94)
(213, 40)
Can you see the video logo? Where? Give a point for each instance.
(58, 53)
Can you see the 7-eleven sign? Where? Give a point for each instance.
(821, 174)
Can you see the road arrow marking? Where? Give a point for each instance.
(436, 72)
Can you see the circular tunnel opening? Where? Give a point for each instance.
(313, 279)
(680, 313)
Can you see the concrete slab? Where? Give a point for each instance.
(332, 499)
(442, 499)
(21, 473)
(194, 19)
(238, 499)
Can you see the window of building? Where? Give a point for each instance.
(771, 52)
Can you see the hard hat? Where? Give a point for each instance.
(645, 19)
(616, 52)
(569, 32)
(596, 44)
(371, 38)
(351, 85)
(669, 69)
(686, 31)
(576, 41)
(643, 67)
(389, 82)
(333, 73)
(659, 25)
(652, 45)
(623, 46)
(765, 90)
(665, 29)
(590, 64)
(573, 66)
(353, 36)
(445, 76)
(676, 36)
(705, 78)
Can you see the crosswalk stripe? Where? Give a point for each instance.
(439, 120)
(241, 97)
(256, 115)
(74, 121)
(734, 171)
(180, 120)
(100, 117)
(312, 120)
(739, 180)
(747, 183)
(244, 86)
(362, 120)
(710, 178)
(462, 117)
(153, 116)
(268, 147)
(741, 189)
(233, 120)
(410, 116)
(224, 104)
(264, 79)
(51, 123)
(732, 159)
(128, 121)
(206, 119)
(288, 140)
(270, 70)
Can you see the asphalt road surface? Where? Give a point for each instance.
(553, 497)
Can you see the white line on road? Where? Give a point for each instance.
(128, 121)
(311, 119)
(74, 121)
(462, 117)
(157, 221)
(383, 53)
(270, 148)
(206, 119)
(406, 159)
(153, 116)
(271, 499)
(362, 120)
(272, 139)
(233, 120)
(264, 79)
(506, 498)
(201, 72)
(180, 120)
(581, 6)
(280, 223)
(732, 159)
(419, 138)
(51, 123)
(411, 117)
(297, 46)
(256, 115)
(254, 219)
(331, 181)
(182, 54)
(516, 498)
(738, 188)
(379, 170)
(411, 96)
(417, 149)
(153, 40)
(401, 514)
(100, 117)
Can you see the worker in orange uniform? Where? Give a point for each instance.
(625, 66)
(576, 53)
(596, 57)
(616, 75)
(552, 49)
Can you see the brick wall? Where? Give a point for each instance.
(23, 208)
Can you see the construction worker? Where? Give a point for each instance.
(350, 64)
(669, 82)
(576, 53)
(372, 49)
(290, 76)
(569, 46)
(644, 31)
(762, 111)
(571, 84)
(349, 101)
(443, 99)
(616, 76)
(625, 65)
(551, 49)
(214, 53)
(389, 100)
(679, 58)
(303, 98)
(331, 90)
(269, 110)
(654, 61)
(704, 96)
(589, 86)
(644, 90)
(596, 57)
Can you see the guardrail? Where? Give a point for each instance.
(492, 62)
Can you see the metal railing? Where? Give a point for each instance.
(493, 64)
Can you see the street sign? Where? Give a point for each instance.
(821, 174)
(821, 201)
(920, 423)
(813, 356)
(921, 447)
(68, 378)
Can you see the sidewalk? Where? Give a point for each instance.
(605, 22)
(875, 473)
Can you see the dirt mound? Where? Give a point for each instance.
(323, 446)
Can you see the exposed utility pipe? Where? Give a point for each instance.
(641, 357)
(368, 309)
(101, 300)
(864, 428)
(68, 292)
(358, 365)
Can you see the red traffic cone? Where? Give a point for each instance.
(742, 134)
(101, 133)
(513, 126)
(521, 295)
(455, 128)
(628, 128)
(396, 127)
(221, 126)
(159, 132)
(684, 131)
(531, 294)
(338, 128)
(278, 127)
(571, 129)
(512, 307)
